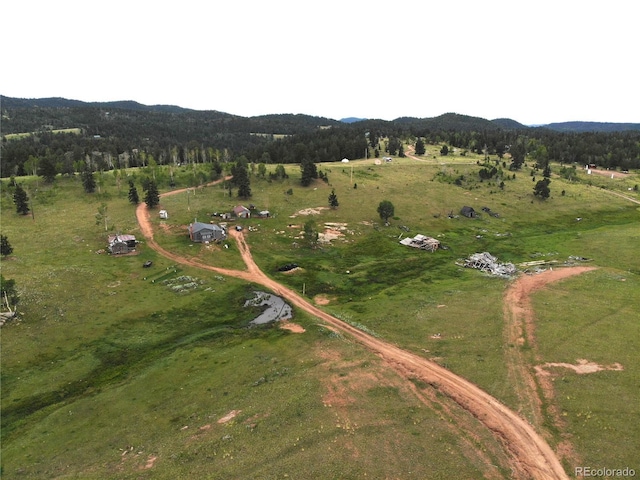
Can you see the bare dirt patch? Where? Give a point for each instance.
(150, 462)
(229, 416)
(292, 327)
(323, 299)
(608, 173)
(309, 211)
(581, 367)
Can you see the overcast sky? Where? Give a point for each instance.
(533, 61)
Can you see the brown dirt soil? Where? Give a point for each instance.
(292, 327)
(322, 300)
(582, 367)
(229, 416)
(531, 456)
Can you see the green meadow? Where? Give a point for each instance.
(117, 371)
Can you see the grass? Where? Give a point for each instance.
(108, 365)
(602, 327)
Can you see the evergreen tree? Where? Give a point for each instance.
(444, 151)
(21, 199)
(241, 180)
(309, 172)
(333, 199)
(152, 197)
(133, 193)
(518, 153)
(386, 210)
(47, 169)
(420, 150)
(311, 233)
(401, 151)
(88, 180)
(541, 189)
(5, 247)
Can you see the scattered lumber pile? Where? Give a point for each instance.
(422, 242)
(488, 263)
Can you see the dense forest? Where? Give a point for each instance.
(125, 134)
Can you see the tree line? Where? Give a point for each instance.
(120, 138)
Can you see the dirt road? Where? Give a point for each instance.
(531, 456)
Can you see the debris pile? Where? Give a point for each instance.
(488, 263)
(421, 241)
(277, 309)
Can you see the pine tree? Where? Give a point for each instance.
(420, 150)
(133, 193)
(309, 172)
(311, 233)
(5, 247)
(88, 180)
(333, 199)
(21, 199)
(542, 189)
(152, 197)
(242, 181)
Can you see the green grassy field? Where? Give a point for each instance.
(109, 370)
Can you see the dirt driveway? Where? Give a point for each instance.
(531, 456)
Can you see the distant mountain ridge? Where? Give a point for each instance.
(592, 127)
(447, 121)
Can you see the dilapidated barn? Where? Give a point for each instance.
(120, 244)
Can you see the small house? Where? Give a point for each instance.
(121, 244)
(206, 232)
(468, 212)
(264, 214)
(241, 211)
(164, 214)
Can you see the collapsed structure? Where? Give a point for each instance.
(422, 242)
(488, 263)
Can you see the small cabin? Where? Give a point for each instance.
(206, 232)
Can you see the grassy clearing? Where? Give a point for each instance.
(16, 136)
(107, 356)
(602, 326)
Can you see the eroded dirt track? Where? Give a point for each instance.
(531, 456)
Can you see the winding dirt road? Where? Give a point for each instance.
(531, 456)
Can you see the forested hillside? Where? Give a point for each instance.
(124, 134)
